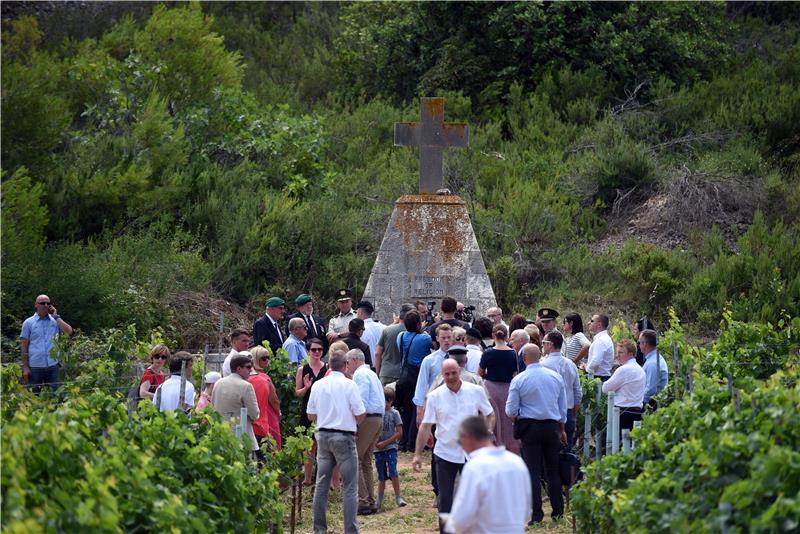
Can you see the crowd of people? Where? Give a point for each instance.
(495, 402)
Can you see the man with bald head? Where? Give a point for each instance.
(295, 345)
(537, 402)
(36, 340)
(446, 407)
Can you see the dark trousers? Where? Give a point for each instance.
(446, 473)
(408, 413)
(626, 418)
(541, 442)
(569, 428)
(44, 376)
(434, 479)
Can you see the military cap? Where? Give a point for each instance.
(274, 302)
(456, 349)
(302, 298)
(547, 314)
(344, 294)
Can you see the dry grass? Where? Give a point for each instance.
(419, 517)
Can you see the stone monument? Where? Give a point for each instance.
(429, 250)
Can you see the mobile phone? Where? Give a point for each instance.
(51, 308)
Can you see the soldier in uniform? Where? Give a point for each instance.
(547, 317)
(338, 325)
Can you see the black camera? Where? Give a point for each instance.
(466, 314)
(429, 315)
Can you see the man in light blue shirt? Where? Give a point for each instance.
(431, 367)
(294, 344)
(552, 343)
(371, 391)
(36, 341)
(655, 367)
(537, 402)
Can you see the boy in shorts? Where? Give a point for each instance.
(386, 450)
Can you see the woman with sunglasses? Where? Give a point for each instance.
(313, 370)
(154, 375)
(269, 406)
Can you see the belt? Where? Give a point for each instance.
(634, 409)
(336, 430)
(374, 415)
(537, 420)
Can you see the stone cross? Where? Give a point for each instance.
(431, 135)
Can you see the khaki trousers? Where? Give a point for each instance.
(368, 432)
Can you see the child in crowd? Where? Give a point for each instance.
(386, 450)
(205, 395)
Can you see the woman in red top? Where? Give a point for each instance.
(154, 375)
(269, 406)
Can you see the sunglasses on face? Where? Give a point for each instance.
(248, 366)
(160, 357)
(264, 358)
(44, 303)
(315, 349)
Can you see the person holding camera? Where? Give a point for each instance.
(448, 307)
(38, 332)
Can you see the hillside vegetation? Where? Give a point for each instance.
(626, 157)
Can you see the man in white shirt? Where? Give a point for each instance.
(336, 407)
(371, 391)
(168, 395)
(601, 351)
(494, 494)
(372, 329)
(474, 350)
(240, 342)
(627, 383)
(447, 407)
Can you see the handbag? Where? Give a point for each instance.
(408, 372)
(566, 461)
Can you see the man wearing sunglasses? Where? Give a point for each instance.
(235, 392)
(294, 345)
(38, 332)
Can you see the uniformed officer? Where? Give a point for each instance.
(338, 325)
(548, 317)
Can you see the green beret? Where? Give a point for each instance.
(274, 302)
(302, 298)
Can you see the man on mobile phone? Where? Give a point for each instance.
(38, 332)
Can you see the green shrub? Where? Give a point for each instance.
(34, 115)
(714, 461)
(759, 282)
(85, 465)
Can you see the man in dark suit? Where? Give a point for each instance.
(304, 309)
(267, 327)
(353, 340)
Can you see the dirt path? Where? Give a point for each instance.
(419, 517)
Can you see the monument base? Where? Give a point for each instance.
(429, 251)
